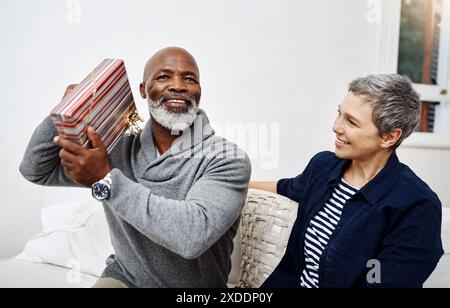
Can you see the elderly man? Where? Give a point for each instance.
(172, 194)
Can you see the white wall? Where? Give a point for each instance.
(429, 156)
(283, 61)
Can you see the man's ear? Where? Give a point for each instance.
(142, 90)
(390, 139)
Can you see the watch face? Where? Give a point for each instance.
(100, 191)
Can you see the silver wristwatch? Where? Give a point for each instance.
(101, 190)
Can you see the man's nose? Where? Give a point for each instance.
(178, 85)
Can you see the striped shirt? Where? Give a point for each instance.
(320, 231)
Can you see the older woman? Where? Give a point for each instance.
(364, 219)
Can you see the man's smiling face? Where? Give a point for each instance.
(172, 88)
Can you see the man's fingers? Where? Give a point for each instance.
(68, 167)
(67, 156)
(69, 89)
(94, 138)
(70, 146)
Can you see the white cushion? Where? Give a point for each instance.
(74, 235)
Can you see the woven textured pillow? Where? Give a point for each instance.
(266, 225)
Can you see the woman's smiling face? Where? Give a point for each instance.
(357, 137)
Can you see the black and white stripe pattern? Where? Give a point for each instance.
(320, 230)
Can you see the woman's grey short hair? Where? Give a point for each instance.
(396, 104)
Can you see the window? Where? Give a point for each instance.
(424, 55)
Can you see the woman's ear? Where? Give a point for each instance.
(390, 139)
(142, 90)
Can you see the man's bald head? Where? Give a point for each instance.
(169, 56)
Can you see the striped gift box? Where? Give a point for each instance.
(103, 101)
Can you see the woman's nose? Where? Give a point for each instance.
(337, 128)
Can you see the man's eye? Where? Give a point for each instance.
(162, 77)
(190, 79)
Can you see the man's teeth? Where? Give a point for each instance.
(176, 101)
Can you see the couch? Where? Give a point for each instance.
(70, 251)
(265, 227)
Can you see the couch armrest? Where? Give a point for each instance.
(266, 225)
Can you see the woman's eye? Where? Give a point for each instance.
(352, 123)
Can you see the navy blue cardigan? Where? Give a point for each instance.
(395, 219)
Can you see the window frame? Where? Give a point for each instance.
(387, 62)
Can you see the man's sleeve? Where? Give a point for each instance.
(41, 162)
(186, 227)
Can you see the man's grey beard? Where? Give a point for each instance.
(174, 121)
